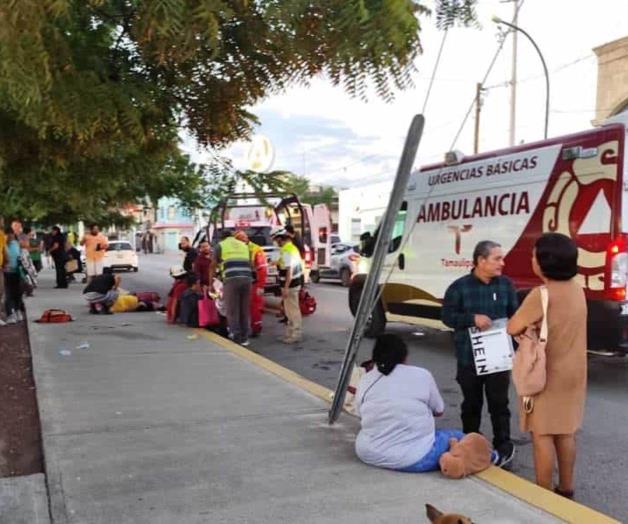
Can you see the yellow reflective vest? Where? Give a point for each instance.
(289, 256)
(235, 259)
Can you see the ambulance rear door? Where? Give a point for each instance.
(321, 235)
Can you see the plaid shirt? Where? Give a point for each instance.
(469, 296)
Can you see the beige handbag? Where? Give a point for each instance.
(529, 373)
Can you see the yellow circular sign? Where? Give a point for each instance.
(261, 155)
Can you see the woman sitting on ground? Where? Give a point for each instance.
(397, 404)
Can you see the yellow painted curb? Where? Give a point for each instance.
(523, 489)
(560, 507)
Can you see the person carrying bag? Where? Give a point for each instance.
(550, 370)
(529, 372)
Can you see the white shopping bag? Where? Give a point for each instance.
(492, 348)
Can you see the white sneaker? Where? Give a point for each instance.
(12, 318)
(2, 323)
(20, 316)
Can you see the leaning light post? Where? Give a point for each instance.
(498, 20)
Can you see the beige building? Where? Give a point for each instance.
(612, 79)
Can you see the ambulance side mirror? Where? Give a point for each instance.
(367, 244)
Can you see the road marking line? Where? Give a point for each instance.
(523, 489)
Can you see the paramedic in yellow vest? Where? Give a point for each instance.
(259, 265)
(291, 279)
(235, 267)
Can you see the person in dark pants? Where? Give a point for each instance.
(188, 303)
(59, 256)
(237, 276)
(475, 300)
(12, 283)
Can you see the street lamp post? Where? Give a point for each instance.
(498, 20)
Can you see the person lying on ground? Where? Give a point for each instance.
(397, 404)
(102, 292)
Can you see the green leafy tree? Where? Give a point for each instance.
(93, 93)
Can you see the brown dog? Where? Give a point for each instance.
(438, 517)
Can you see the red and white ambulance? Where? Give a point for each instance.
(576, 185)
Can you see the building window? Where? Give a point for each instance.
(172, 212)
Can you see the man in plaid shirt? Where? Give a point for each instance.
(476, 300)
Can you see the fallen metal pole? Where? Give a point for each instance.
(382, 242)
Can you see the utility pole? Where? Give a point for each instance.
(513, 76)
(478, 110)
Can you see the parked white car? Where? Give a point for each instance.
(120, 255)
(344, 264)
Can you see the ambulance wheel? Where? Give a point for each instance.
(315, 277)
(376, 324)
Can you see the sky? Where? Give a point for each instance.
(334, 139)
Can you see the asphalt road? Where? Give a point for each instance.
(601, 478)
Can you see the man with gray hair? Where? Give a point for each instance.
(475, 300)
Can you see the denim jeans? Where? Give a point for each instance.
(441, 445)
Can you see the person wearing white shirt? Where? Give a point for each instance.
(397, 404)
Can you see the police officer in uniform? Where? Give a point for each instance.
(290, 267)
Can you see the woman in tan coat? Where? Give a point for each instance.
(559, 408)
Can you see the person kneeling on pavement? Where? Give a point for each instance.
(188, 303)
(397, 404)
(102, 292)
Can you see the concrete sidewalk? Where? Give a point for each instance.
(148, 425)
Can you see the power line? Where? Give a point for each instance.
(429, 193)
(436, 64)
(536, 77)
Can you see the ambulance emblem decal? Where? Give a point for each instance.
(578, 206)
(457, 231)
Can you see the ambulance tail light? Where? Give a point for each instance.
(617, 270)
